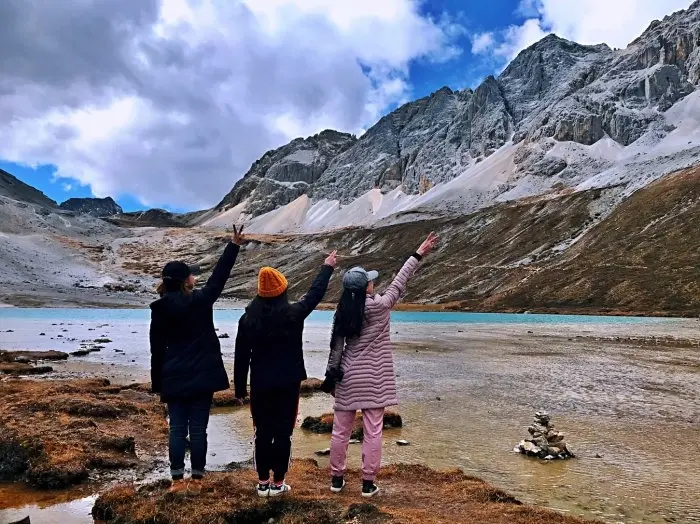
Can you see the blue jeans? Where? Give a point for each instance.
(188, 415)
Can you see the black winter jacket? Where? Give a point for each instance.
(185, 350)
(274, 354)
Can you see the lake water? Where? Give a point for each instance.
(634, 405)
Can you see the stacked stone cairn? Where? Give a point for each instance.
(545, 441)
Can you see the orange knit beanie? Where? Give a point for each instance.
(271, 283)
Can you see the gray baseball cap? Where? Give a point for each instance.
(358, 278)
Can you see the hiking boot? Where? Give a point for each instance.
(279, 489)
(263, 489)
(369, 488)
(337, 484)
(194, 488)
(178, 487)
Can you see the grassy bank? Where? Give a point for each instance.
(411, 495)
(54, 434)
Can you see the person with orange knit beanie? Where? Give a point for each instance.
(269, 343)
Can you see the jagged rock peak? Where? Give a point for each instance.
(283, 174)
(97, 207)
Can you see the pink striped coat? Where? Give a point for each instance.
(367, 361)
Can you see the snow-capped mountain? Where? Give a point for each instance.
(561, 117)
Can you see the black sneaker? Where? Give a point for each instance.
(369, 489)
(337, 484)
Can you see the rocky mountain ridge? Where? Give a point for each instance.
(554, 91)
(13, 188)
(97, 207)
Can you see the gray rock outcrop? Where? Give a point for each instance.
(284, 174)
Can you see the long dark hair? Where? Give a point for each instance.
(269, 317)
(350, 314)
(173, 286)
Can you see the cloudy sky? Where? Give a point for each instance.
(167, 102)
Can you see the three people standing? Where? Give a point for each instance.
(187, 367)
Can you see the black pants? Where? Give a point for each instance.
(274, 415)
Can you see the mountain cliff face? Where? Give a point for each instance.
(284, 174)
(97, 207)
(554, 91)
(15, 189)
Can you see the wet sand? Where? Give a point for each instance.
(617, 392)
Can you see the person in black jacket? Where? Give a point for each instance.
(269, 343)
(186, 363)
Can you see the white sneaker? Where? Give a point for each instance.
(276, 491)
(263, 490)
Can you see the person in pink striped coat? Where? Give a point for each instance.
(360, 370)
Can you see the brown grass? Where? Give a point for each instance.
(411, 495)
(53, 433)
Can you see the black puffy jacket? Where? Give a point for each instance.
(274, 353)
(185, 350)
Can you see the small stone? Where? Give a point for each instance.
(355, 441)
(403, 443)
(438, 398)
(531, 449)
(555, 436)
(323, 452)
(598, 456)
(549, 457)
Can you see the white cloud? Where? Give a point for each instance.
(589, 22)
(518, 37)
(172, 100)
(482, 42)
(615, 23)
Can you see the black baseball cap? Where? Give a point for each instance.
(179, 271)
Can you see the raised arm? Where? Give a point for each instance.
(215, 285)
(319, 286)
(158, 347)
(241, 360)
(398, 286)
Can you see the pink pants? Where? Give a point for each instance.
(372, 424)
